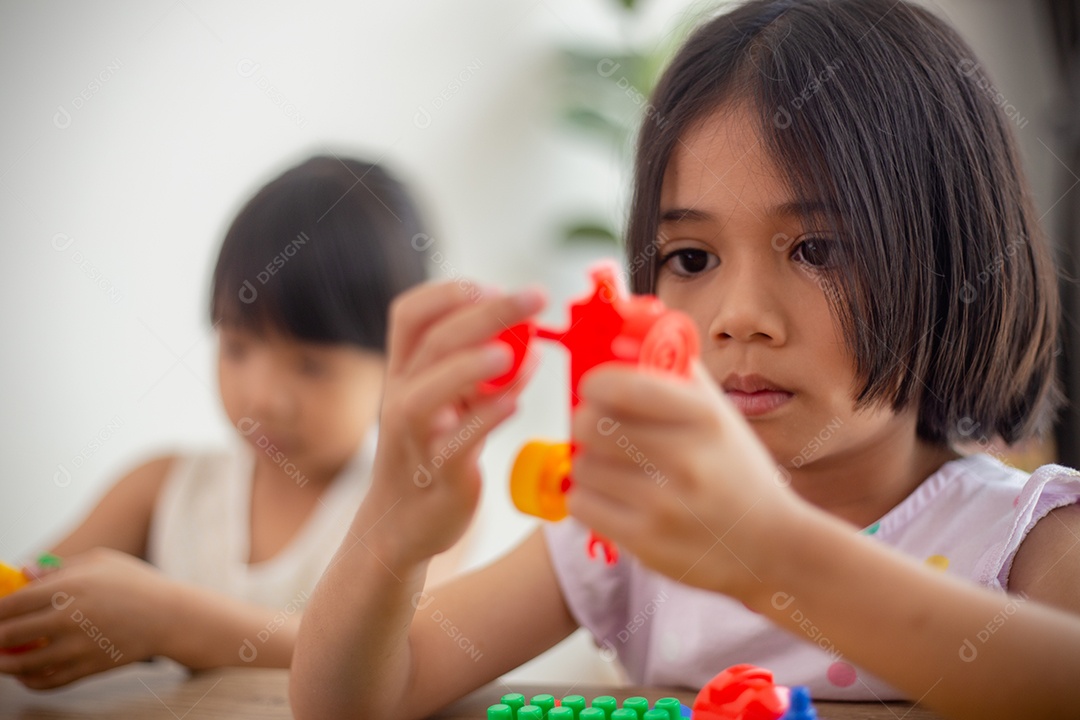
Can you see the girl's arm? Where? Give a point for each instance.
(105, 608)
(375, 645)
(1047, 565)
(958, 648)
(726, 521)
(372, 643)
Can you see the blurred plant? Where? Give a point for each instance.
(606, 96)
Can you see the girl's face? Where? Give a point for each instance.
(301, 405)
(738, 257)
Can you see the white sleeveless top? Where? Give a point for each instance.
(200, 532)
(967, 519)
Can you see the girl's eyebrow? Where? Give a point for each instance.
(685, 215)
(791, 208)
(801, 208)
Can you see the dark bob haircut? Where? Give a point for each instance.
(319, 253)
(946, 290)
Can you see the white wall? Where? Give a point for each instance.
(133, 131)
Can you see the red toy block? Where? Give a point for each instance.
(607, 326)
(741, 692)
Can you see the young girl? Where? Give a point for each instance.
(829, 193)
(208, 559)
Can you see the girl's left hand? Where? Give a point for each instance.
(669, 469)
(103, 609)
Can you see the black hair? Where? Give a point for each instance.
(946, 290)
(319, 253)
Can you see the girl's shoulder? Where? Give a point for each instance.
(122, 517)
(136, 492)
(970, 517)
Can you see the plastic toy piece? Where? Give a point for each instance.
(611, 553)
(513, 706)
(800, 708)
(638, 704)
(607, 326)
(540, 479)
(515, 701)
(606, 703)
(741, 692)
(544, 702)
(11, 579)
(574, 702)
(670, 705)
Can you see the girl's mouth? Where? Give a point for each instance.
(754, 395)
(760, 402)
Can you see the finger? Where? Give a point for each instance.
(472, 325)
(623, 391)
(462, 443)
(479, 392)
(634, 440)
(414, 311)
(709, 387)
(615, 477)
(27, 629)
(610, 432)
(452, 388)
(60, 675)
(604, 513)
(448, 385)
(59, 651)
(35, 596)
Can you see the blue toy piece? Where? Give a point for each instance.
(800, 707)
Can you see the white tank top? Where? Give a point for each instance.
(200, 531)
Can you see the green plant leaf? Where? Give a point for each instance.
(592, 231)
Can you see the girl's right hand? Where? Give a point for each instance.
(434, 418)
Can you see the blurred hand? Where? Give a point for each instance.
(103, 609)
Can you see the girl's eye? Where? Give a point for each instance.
(689, 261)
(815, 252)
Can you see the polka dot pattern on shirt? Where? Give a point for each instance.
(841, 674)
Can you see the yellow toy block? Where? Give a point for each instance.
(11, 579)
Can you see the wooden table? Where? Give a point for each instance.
(163, 691)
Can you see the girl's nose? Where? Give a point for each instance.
(266, 391)
(746, 309)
